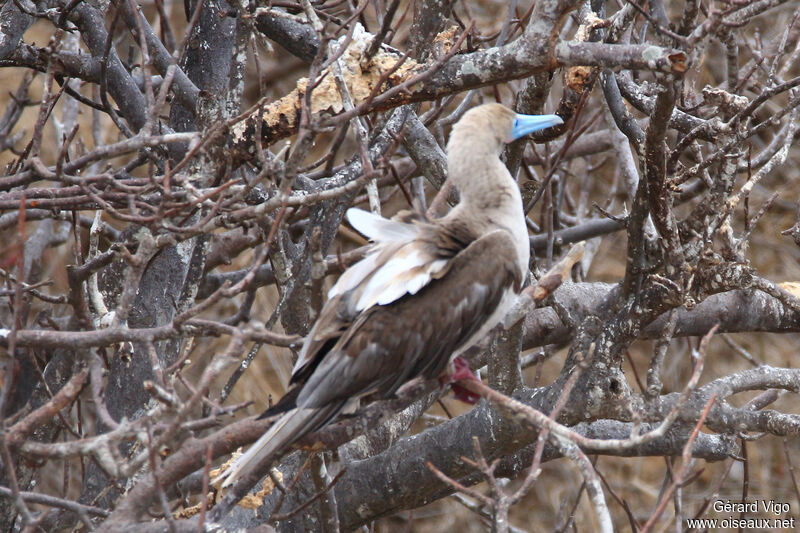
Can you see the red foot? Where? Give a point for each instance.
(466, 396)
(461, 371)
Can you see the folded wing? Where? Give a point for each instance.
(382, 347)
(403, 259)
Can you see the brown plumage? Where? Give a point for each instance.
(427, 291)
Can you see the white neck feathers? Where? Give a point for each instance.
(490, 198)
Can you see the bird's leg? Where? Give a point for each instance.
(461, 371)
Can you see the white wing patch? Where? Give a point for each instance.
(354, 275)
(406, 272)
(399, 264)
(380, 229)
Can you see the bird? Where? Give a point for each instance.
(426, 290)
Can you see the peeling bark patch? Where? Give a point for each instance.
(576, 77)
(254, 501)
(445, 41)
(281, 117)
(678, 62)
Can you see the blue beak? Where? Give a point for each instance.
(525, 124)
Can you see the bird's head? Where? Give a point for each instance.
(494, 125)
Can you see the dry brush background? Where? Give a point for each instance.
(173, 183)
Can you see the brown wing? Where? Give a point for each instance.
(415, 335)
(433, 240)
(333, 322)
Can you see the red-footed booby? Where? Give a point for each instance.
(426, 291)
